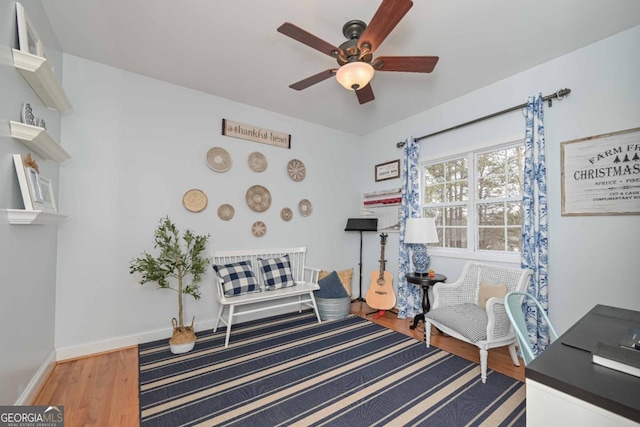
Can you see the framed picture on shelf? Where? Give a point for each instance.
(27, 36)
(388, 170)
(37, 190)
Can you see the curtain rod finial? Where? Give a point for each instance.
(400, 144)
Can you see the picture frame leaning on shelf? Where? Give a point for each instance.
(28, 37)
(37, 190)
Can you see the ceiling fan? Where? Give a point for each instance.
(355, 56)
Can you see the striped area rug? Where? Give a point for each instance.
(291, 371)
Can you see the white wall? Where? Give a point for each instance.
(592, 258)
(27, 252)
(138, 145)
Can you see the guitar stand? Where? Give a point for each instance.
(381, 313)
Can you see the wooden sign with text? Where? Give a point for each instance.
(255, 134)
(601, 174)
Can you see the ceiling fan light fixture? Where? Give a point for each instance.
(355, 75)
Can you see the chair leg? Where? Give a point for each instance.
(315, 306)
(427, 334)
(514, 354)
(229, 322)
(215, 325)
(483, 364)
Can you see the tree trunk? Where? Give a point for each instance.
(180, 316)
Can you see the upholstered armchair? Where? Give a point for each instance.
(472, 308)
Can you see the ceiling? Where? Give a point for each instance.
(231, 49)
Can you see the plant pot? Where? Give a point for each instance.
(183, 339)
(182, 348)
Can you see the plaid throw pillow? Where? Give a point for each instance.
(238, 278)
(276, 273)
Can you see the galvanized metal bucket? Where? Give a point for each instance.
(333, 308)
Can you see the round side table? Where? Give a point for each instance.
(424, 282)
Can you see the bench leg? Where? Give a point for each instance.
(315, 306)
(220, 311)
(229, 322)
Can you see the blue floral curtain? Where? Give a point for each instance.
(409, 296)
(535, 245)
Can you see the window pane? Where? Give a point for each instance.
(455, 237)
(491, 214)
(491, 239)
(514, 239)
(457, 191)
(434, 174)
(434, 193)
(457, 169)
(514, 213)
(491, 186)
(455, 216)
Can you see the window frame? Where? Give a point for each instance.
(470, 252)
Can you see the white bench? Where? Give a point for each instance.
(306, 282)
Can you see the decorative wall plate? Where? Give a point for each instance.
(259, 229)
(305, 207)
(258, 198)
(296, 170)
(257, 162)
(226, 212)
(286, 214)
(219, 159)
(194, 200)
(26, 115)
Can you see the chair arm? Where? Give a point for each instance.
(311, 273)
(447, 294)
(219, 289)
(498, 325)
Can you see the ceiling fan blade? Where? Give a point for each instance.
(316, 78)
(411, 64)
(365, 94)
(385, 19)
(297, 33)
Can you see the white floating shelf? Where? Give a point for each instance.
(38, 72)
(38, 140)
(24, 217)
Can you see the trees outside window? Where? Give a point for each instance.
(476, 199)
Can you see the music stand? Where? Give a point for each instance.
(361, 225)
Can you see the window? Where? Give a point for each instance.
(476, 199)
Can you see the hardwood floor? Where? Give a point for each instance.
(102, 389)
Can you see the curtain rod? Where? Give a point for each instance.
(559, 94)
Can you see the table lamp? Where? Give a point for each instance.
(418, 232)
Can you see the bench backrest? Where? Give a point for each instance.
(296, 259)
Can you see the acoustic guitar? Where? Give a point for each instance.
(380, 294)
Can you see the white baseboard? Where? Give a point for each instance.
(115, 343)
(30, 392)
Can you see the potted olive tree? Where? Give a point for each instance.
(178, 259)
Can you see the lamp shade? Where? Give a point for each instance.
(355, 75)
(420, 230)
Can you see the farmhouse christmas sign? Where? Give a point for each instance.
(601, 174)
(255, 134)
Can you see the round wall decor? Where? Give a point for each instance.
(194, 200)
(259, 229)
(258, 198)
(225, 212)
(258, 162)
(296, 170)
(219, 159)
(305, 207)
(286, 214)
